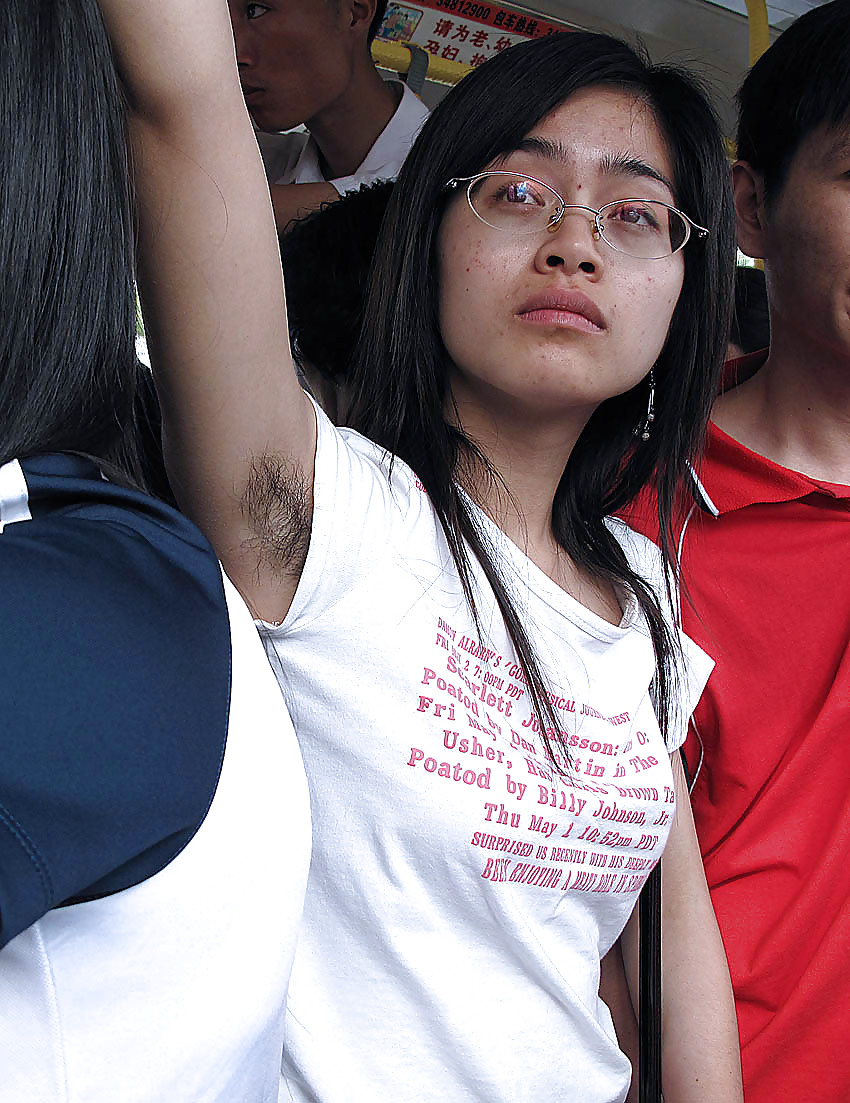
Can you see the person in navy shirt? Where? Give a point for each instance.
(154, 828)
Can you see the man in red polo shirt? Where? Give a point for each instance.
(766, 562)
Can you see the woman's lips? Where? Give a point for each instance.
(570, 309)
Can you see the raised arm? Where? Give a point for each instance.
(701, 1052)
(238, 431)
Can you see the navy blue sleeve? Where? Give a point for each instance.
(115, 682)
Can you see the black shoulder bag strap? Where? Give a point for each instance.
(649, 984)
(649, 1062)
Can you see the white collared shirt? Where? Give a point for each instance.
(294, 158)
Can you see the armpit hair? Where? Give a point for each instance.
(277, 502)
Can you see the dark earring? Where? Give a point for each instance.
(642, 430)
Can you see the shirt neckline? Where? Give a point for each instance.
(526, 571)
(734, 477)
(407, 117)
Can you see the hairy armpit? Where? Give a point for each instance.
(278, 503)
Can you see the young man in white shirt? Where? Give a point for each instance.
(308, 62)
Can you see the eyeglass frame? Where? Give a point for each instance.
(701, 231)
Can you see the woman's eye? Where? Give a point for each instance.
(520, 193)
(639, 215)
(254, 11)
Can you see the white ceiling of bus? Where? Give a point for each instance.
(779, 13)
(710, 36)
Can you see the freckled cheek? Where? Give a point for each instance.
(644, 309)
(472, 274)
(476, 271)
(474, 300)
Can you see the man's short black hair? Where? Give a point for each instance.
(801, 83)
(326, 259)
(377, 19)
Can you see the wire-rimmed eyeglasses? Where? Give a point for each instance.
(521, 204)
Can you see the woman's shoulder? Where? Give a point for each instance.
(370, 466)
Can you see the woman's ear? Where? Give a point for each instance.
(748, 189)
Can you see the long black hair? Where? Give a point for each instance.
(402, 373)
(68, 369)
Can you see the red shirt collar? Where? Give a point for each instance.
(732, 476)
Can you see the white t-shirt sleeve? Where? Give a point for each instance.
(360, 517)
(696, 668)
(695, 665)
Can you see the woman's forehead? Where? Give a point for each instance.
(609, 131)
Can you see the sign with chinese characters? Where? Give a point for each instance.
(467, 31)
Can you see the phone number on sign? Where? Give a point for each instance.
(466, 8)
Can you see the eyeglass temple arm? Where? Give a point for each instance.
(701, 230)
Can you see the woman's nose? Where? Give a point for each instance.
(572, 243)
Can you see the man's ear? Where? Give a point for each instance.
(360, 13)
(748, 189)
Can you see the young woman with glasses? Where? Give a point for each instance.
(480, 664)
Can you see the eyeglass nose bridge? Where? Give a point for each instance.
(560, 214)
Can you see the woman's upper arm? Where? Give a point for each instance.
(701, 1048)
(701, 1056)
(236, 424)
(616, 993)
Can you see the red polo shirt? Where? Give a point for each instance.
(767, 564)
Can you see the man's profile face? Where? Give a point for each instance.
(807, 244)
(295, 58)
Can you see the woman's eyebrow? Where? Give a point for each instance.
(623, 164)
(611, 164)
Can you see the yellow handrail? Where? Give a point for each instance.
(759, 28)
(395, 56)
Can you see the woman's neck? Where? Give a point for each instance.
(518, 492)
(528, 452)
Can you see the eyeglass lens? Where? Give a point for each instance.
(639, 227)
